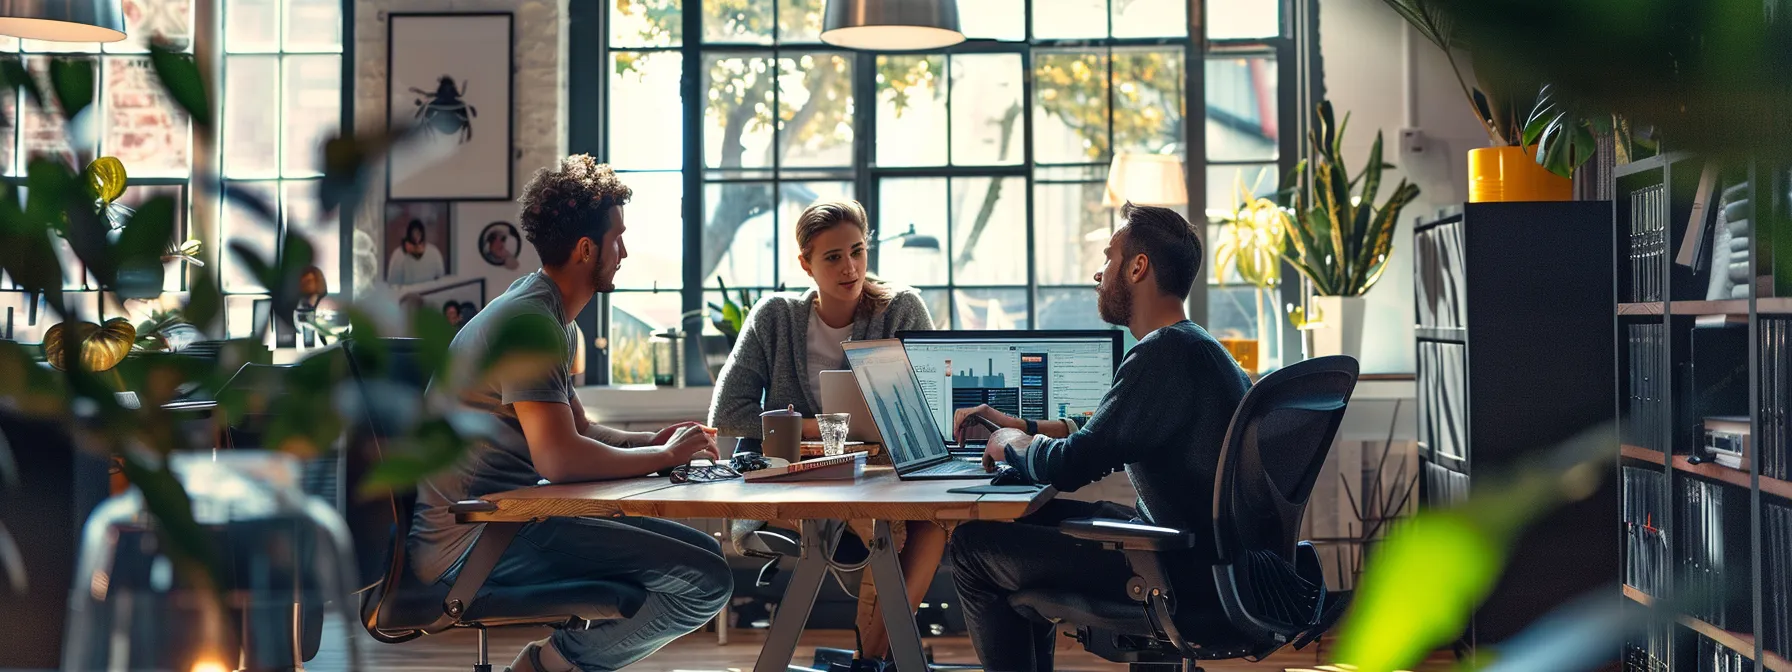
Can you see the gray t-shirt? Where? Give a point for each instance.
(437, 541)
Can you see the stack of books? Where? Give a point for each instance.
(1715, 657)
(1776, 578)
(1775, 367)
(1646, 418)
(1645, 549)
(1699, 534)
(1648, 243)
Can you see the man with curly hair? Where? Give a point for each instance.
(573, 214)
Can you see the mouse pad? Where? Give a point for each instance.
(997, 490)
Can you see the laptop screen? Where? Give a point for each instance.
(895, 400)
(1032, 375)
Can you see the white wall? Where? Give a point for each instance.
(1363, 43)
(539, 105)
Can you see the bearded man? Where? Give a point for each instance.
(1163, 421)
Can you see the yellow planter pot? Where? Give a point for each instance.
(1497, 174)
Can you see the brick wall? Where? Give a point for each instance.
(538, 104)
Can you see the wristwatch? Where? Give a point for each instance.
(1032, 428)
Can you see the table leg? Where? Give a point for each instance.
(892, 601)
(798, 600)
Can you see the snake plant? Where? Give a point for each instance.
(1340, 242)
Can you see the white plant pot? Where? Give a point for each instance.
(1342, 331)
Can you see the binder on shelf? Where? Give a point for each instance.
(1692, 243)
(1701, 542)
(1715, 657)
(1645, 556)
(1776, 575)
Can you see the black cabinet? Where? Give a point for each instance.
(1514, 350)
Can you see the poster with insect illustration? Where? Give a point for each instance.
(449, 80)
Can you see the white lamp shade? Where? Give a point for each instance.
(1145, 179)
(63, 20)
(891, 25)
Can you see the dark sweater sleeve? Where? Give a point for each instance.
(1132, 418)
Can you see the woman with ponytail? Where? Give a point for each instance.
(788, 340)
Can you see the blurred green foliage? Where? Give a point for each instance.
(1421, 585)
(125, 251)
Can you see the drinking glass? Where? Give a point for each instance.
(833, 432)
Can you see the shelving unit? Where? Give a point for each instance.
(1690, 372)
(1644, 454)
(1514, 352)
(1763, 306)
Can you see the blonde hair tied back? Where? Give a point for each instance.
(826, 215)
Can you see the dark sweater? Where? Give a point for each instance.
(1163, 421)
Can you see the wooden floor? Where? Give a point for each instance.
(700, 653)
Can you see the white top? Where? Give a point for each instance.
(825, 353)
(403, 269)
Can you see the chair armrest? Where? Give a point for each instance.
(463, 508)
(1128, 535)
(493, 540)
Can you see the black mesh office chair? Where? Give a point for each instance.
(396, 606)
(1271, 586)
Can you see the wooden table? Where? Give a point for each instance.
(877, 495)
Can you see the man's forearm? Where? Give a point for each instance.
(603, 461)
(616, 437)
(1056, 429)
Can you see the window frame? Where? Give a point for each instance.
(214, 159)
(200, 209)
(588, 57)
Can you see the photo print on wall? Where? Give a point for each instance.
(458, 302)
(493, 240)
(449, 76)
(416, 243)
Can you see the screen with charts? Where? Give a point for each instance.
(1028, 375)
(895, 401)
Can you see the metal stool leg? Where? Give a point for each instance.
(485, 663)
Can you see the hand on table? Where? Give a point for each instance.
(961, 420)
(995, 451)
(664, 436)
(690, 442)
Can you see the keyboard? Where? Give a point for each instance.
(952, 467)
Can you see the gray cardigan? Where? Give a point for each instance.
(769, 367)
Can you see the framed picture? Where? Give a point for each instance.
(450, 76)
(492, 240)
(416, 243)
(458, 302)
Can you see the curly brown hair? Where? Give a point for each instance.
(560, 205)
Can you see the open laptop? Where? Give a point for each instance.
(840, 394)
(1033, 375)
(898, 406)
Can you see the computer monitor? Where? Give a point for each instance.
(894, 397)
(1032, 375)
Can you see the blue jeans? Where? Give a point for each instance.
(687, 580)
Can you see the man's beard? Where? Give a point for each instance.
(1114, 302)
(597, 279)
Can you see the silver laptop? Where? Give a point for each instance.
(840, 394)
(898, 406)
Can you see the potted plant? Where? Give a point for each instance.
(1338, 241)
(1537, 141)
(1251, 242)
(729, 318)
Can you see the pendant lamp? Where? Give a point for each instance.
(891, 25)
(63, 20)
